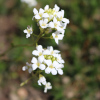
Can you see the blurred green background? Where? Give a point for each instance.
(80, 49)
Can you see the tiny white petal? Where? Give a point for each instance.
(35, 11)
(66, 20)
(51, 24)
(37, 17)
(41, 59)
(39, 83)
(48, 62)
(56, 40)
(34, 66)
(25, 31)
(46, 52)
(47, 70)
(53, 71)
(30, 70)
(35, 52)
(41, 10)
(39, 48)
(60, 71)
(46, 7)
(34, 60)
(45, 15)
(42, 66)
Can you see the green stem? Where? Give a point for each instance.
(25, 82)
(39, 36)
(14, 46)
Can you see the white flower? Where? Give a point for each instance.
(47, 86)
(51, 67)
(43, 23)
(28, 66)
(59, 59)
(58, 68)
(46, 7)
(60, 15)
(51, 51)
(53, 19)
(55, 24)
(39, 51)
(38, 15)
(29, 31)
(30, 2)
(42, 80)
(56, 8)
(57, 36)
(38, 63)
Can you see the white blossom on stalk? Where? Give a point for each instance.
(42, 80)
(38, 15)
(43, 23)
(30, 2)
(46, 7)
(53, 19)
(56, 8)
(60, 15)
(27, 67)
(50, 48)
(47, 87)
(51, 67)
(39, 51)
(59, 59)
(37, 63)
(28, 31)
(58, 68)
(55, 24)
(57, 36)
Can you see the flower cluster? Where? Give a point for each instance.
(53, 19)
(47, 60)
(30, 2)
(28, 31)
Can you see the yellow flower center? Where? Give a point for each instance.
(28, 30)
(52, 52)
(56, 36)
(50, 11)
(38, 64)
(43, 24)
(51, 66)
(40, 54)
(55, 24)
(40, 14)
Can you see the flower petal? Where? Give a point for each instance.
(35, 52)
(47, 70)
(35, 11)
(41, 59)
(48, 62)
(45, 15)
(42, 66)
(46, 7)
(25, 31)
(41, 10)
(34, 60)
(34, 66)
(39, 48)
(51, 24)
(37, 16)
(53, 71)
(60, 71)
